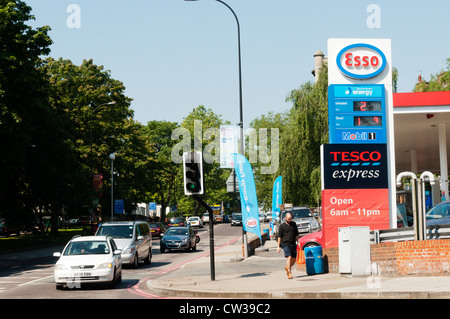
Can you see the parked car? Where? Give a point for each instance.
(195, 221)
(179, 238)
(439, 214)
(236, 219)
(303, 217)
(132, 237)
(157, 229)
(176, 221)
(311, 240)
(88, 259)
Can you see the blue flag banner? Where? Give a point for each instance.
(247, 190)
(277, 197)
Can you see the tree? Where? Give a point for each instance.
(203, 125)
(79, 94)
(263, 181)
(305, 131)
(438, 82)
(164, 174)
(30, 173)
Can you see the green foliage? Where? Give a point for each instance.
(305, 131)
(438, 82)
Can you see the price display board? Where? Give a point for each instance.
(357, 113)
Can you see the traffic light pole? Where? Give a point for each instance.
(211, 235)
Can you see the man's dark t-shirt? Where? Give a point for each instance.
(288, 233)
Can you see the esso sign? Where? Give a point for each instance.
(251, 222)
(361, 61)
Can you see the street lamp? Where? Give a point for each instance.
(112, 157)
(241, 116)
(90, 155)
(90, 124)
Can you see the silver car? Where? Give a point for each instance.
(132, 237)
(304, 218)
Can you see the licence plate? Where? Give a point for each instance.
(152, 231)
(175, 224)
(82, 274)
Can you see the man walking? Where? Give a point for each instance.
(287, 240)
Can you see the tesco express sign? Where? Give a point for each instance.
(361, 61)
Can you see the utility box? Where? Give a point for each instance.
(354, 250)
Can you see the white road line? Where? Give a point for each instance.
(30, 282)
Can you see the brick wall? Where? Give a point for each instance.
(408, 258)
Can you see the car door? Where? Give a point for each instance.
(117, 258)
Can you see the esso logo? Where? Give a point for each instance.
(251, 222)
(361, 61)
(355, 156)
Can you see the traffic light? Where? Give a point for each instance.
(193, 173)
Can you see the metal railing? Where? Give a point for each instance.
(407, 233)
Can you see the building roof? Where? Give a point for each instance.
(416, 128)
(421, 99)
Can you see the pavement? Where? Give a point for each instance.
(262, 276)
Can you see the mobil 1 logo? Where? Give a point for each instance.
(355, 166)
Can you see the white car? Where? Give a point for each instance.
(195, 221)
(88, 259)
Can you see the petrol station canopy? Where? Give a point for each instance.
(421, 130)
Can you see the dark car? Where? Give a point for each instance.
(179, 238)
(439, 214)
(236, 219)
(157, 229)
(176, 221)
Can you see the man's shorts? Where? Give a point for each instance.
(290, 251)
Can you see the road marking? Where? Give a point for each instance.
(30, 282)
(136, 290)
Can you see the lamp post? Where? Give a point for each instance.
(112, 157)
(241, 116)
(90, 129)
(90, 156)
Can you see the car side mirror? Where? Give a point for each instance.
(57, 254)
(140, 238)
(117, 252)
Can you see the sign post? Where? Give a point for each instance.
(358, 166)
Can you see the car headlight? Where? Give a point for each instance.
(314, 224)
(128, 250)
(185, 240)
(104, 266)
(61, 267)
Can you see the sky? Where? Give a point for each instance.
(174, 55)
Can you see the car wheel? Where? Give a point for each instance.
(195, 247)
(162, 249)
(113, 282)
(148, 259)
(135, 261)
(59, 287)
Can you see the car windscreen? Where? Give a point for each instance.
(177, 232)
(99, 247)
(116, 231)
(439, 211)
(298, 213)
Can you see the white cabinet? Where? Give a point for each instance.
(354, 250)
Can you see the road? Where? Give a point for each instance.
(34, 280)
